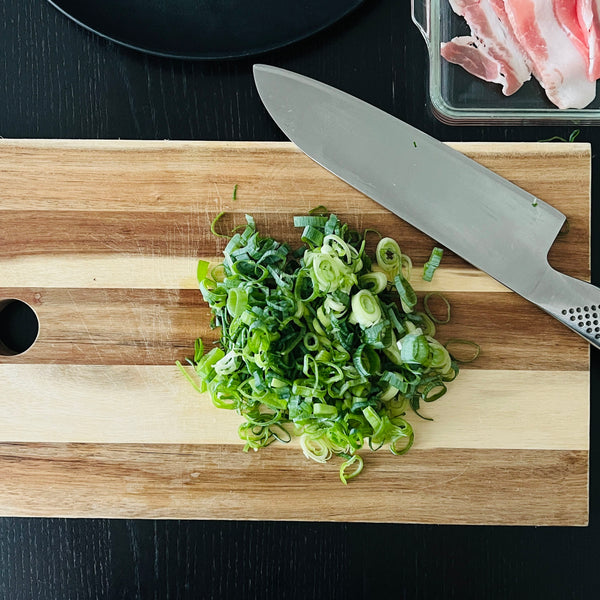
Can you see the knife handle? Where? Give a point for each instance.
(574, 302)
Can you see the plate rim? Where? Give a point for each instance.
(353, 5)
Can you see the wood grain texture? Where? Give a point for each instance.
(154, 404)
(512, 487)
(157, 326)
(101, 238)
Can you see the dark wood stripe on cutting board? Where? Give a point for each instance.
(526, 487)
(55, 235)
(139, 326)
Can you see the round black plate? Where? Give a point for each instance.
(205, 29)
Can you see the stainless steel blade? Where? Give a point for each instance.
(492, 223)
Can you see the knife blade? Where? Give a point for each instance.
(484, 218)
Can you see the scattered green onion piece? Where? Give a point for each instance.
(406, 266)
(316, 449)
(324, 410)
(375, 281)
(235, 189)
(414, 348)
(388, 256)
(280, 433)
(214, 224)
(201, 388)
(318, 210)
(402, 443)
(312, 236)
(310, 220)
(557, 138)
(454, 343)
(367, 231)
(432, 264)
(428, 311)
(407, 294)
(366, 360)
(395, 380)
(198, 349)
(202, 270)
(366, 309)
(433, 390)
(237, 301)
(355, 463)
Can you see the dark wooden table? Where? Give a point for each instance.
(57, 80)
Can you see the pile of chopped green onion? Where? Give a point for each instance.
(320, 342)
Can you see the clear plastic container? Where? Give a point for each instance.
(459, 98)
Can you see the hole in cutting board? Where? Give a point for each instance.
(19, 327)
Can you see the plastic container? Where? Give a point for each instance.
(459, 98)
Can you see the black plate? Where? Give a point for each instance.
(205, 29)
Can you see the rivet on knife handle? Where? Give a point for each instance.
(573, 302)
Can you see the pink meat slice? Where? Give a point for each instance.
(568, 15)
(471, 56)
(555, 61)
(588, 16)
(491, 51)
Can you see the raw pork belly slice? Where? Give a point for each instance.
(588, 15)
(474, 58)
(555, 61)
(491, 52)
(568, 15)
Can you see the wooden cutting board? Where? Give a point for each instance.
(101, 238)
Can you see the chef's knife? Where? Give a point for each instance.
(487, 220)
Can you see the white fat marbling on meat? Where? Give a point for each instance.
(588, 16)
(555, 61)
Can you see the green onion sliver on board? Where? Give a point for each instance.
(463, 351)
(433, 263)
(214, 224)
(429, 312)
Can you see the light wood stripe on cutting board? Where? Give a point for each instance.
(154, 404)
(172, 272)
(163, 175)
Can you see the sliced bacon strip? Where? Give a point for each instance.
(568, 15)
(491, 41)
(473, 57)
(559, 67)
(588, 16)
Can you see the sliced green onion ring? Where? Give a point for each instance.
(429, 312)
(389, 256)
(351, 467)
(316, 449)
(454, 346)
(366, 309)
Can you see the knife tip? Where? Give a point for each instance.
(262, 68)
